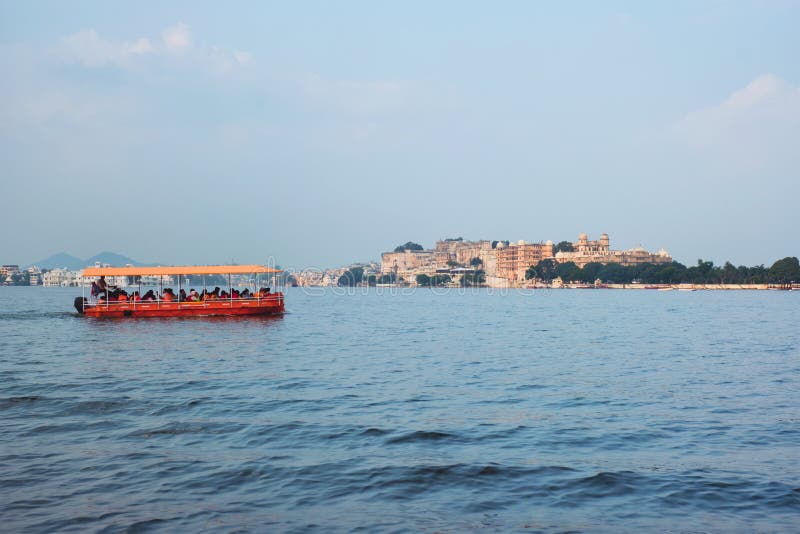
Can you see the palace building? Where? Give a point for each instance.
(585, 251)
(513, 260)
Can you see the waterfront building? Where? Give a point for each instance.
(409, 263)
(9, 270)
(34, 274)
(515, 258)
(463, 253)
(60, 277)
(585, 251)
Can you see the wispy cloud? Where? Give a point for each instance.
(89, 49)
(178, 38)
(754, 124)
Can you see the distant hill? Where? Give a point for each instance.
(113, 259)
(62, 259)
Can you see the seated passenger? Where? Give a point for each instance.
(168, 295)
(149, 296)
(234, 293)
(224, 294)
(245, 294)
(122, 297)
(194, 296)
(182, 295)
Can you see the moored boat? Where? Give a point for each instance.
(261, 301)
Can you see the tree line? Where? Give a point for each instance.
(354, 276)
(783, 271)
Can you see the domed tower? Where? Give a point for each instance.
(582, 244)
(604, 243)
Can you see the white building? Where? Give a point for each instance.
(61, 278)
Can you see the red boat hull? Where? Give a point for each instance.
(271, 305)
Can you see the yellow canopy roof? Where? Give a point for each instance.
(185, 269)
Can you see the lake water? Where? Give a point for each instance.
(561, 410)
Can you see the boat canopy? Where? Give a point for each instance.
(175, 270)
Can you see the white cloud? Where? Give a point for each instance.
(177, 38)
(222, 61)
(755, 124)
(242, 57)
(89, 49)
(141, 46)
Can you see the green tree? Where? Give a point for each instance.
(388, 278)
(545, 270)
(440, 279)
(410, 245)
(730, 274)
(614, 273)
(351, 277)
(563, 246)
(568, 271)
(476, 261)
(589, 272)
(433, 281)
(785, 271)
(473, 279)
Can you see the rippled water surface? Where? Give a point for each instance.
(563, 410)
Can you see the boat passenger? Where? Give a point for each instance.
(234, 293)
(213, 295)
(122, 297)
(245, 294)
(101, 284)
(224, 294)
(194, 296)
(182, 296)
(168, 296)
(149, 296)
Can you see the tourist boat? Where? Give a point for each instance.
(260, 303)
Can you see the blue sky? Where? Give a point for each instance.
(321, 133)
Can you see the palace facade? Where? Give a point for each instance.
(585, 251)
